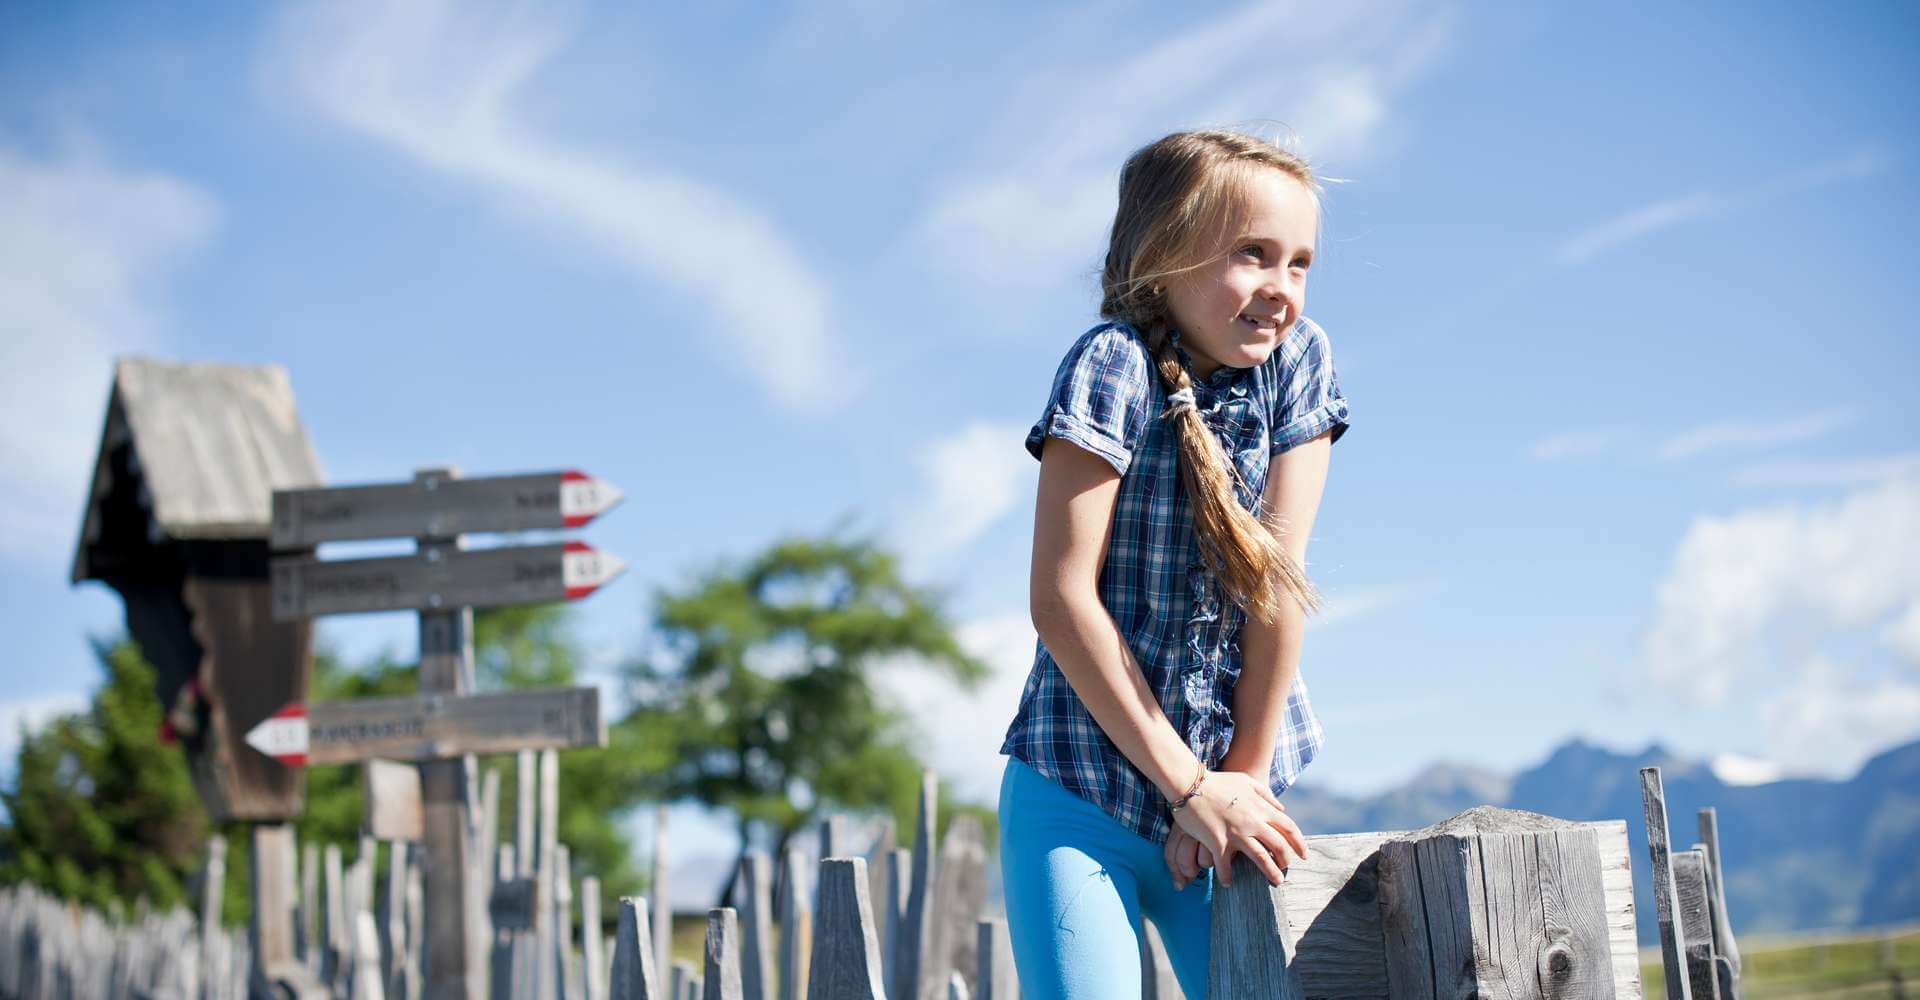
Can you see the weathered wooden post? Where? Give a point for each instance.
(1696, 922)
(213, 883)
(686, 981)
(334, 968)
(590, 938)
(883, 844)
(959, 894)
(846, 952)
(995, 977)
(662, 906)
(634, 973)
(911, 946)
(722, 979)
(1252, 955)
(1673, 948)
(796, 924)
(754, 889)
(957, 987)
(275, 912)
(1157, 981)
(1724, 944)
(1497, 902)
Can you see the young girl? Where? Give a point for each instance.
(1182, 455)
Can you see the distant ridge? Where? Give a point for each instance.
(1800, 853)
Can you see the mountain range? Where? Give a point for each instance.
(1799, 854)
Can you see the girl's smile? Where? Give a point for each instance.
(1235, 309)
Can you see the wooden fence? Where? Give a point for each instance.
(1492, 902)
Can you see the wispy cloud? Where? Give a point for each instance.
(972, 477)
(1578, 444)
(1351, 64)
(1666, 213)
(957, 732)
(1831, 719)
(85, 253)
(17, 717)
(1836, 571)
(1753, 434)
(437, 82)
(1831, 471)
(1349, 604)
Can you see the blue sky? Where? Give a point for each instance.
(1617, 297)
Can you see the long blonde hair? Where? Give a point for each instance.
(1179, 196)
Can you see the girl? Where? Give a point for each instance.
(1182, 455)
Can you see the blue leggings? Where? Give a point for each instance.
(1077, 885)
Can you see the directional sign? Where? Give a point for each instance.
(440, 577)
(431, 727)
(439, 506)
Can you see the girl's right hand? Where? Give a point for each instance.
(1236, 813)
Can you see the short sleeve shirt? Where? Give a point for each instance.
(1107, 398)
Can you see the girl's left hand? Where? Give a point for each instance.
(1186, 858)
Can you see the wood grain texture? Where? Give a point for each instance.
(1673, 948)
(995, 976)
(1251, 955)
(722, 971)
(796, 924)
(1696, 922)
(754, 894)
(635, 976)
(845, 963)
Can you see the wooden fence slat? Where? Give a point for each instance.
(995, 975)
(1696, 922)
(890, 911)
(877, 878)
(591, 958)
(546, 970)
(634, 975)
(916, 930)
(311, 946)
(662, 904)
(333, 969)
(274, 911)
(957, 987)
(1724, 943)
(845, 963)
(1252, 955)
(796, 924)
(959, 894)
(569, 982)
(1673, 948)
(753, 891)
(1157, 981)
(505, 942)
(722, 970)
(213, 883)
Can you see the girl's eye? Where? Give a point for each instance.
(1252, 250)
(1303, 263)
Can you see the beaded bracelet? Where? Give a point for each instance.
(1192, 790)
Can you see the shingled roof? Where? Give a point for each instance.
(210, 444)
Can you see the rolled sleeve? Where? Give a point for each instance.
(1308, 400)
(1099, 397)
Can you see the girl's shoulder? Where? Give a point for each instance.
(1111, 354)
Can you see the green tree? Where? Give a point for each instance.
(758, 695)
(99, 810)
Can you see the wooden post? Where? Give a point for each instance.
(505, 940)
(754, 891)
(446, 666)
(393, 947)
(835, 841)
(416, 930)
(722, 977)
(1673, 948)
(1157, 981)
(527, 859)
(845, 964)
(1252, 954)
(995, 977)
(274, 913)
(634, 975)
(959, 894)
(662, 905)
(333, 969)
(1696, 922)
(213, 885)
(590, 954)
(1724, 944)
(890, 911)
(1494, 913)
(311, 947)
(684, 981)
(796, 924)
(546, 983)
(883, 845)
(569, 982)
(917, 930)
(957, 987)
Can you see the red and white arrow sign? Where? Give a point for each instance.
(584, 569)
(583, 498)
(283, 736)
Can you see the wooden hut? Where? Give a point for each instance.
(177, 522)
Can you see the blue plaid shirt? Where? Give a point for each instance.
(1107, 398)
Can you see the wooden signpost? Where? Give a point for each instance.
(449, 722)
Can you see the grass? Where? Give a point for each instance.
(1833, 969)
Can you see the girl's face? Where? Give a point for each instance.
(1234, 310)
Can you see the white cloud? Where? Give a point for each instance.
(1348, 65)
(1835, 568)
(1903, 633)
(1668, 212)
(958, 732)
(1735, 769)
(84, 256)
(1753, 434)
(1577, 444)
(1831, 471)
(1349, 604)
(437, 81)
(973, 477)
(30, 715)
(1830, 720)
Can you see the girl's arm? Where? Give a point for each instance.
(1072, 520)
(1270, 652)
